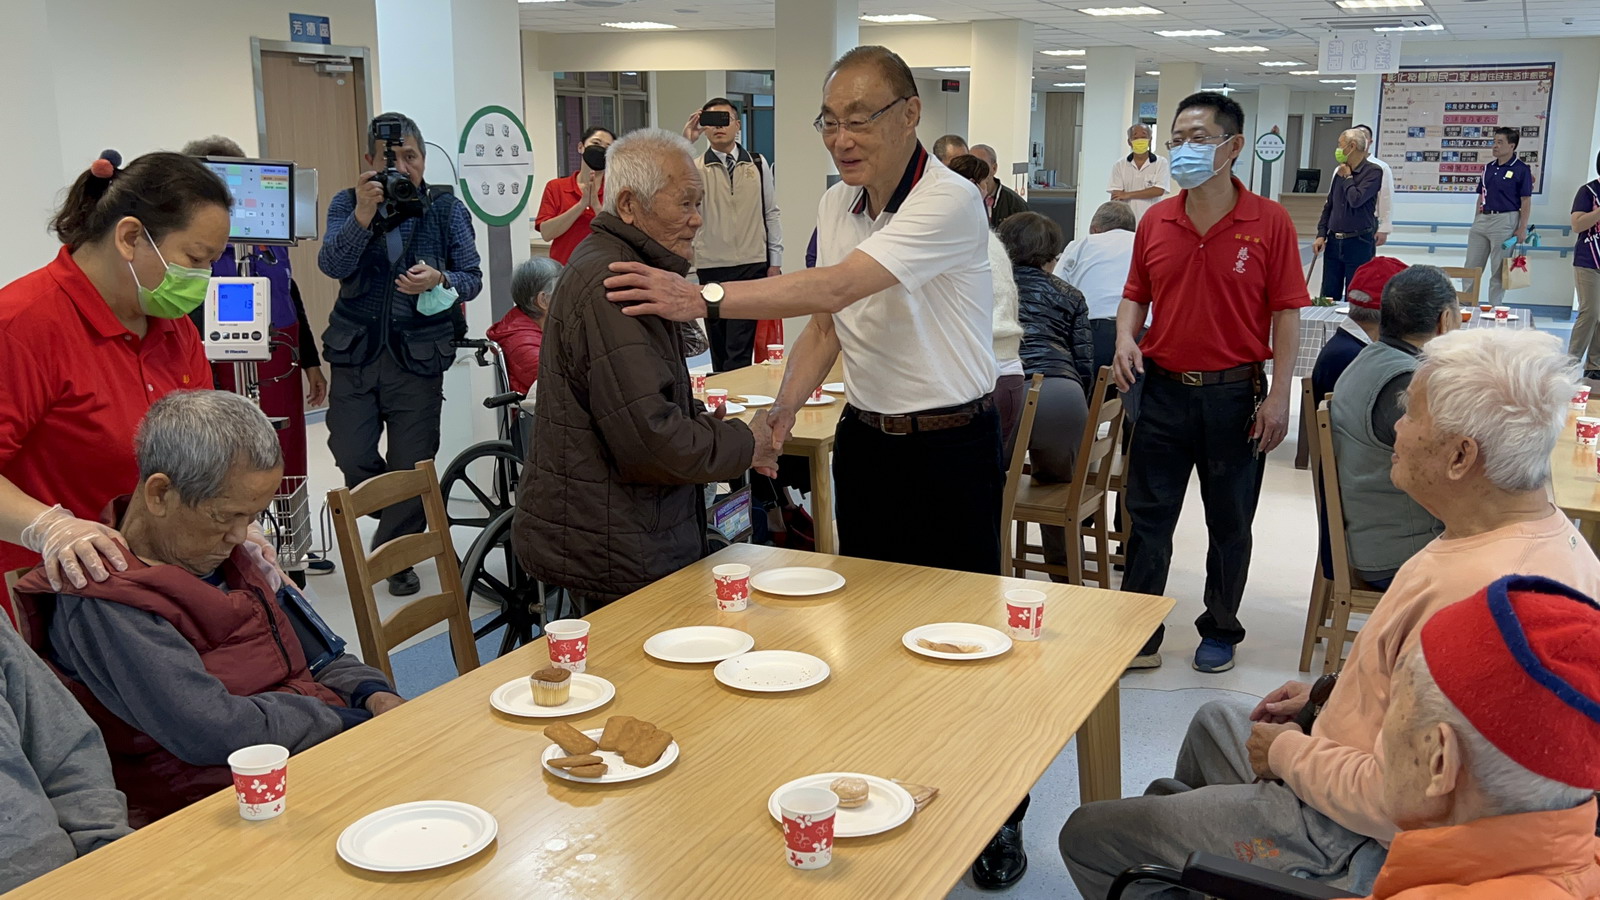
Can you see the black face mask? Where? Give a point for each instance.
(595, 158)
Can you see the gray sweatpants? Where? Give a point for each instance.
(1484, 250)
(1210, 804)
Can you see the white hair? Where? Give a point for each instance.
(1356, 136)
(1506, 785)
(635, 162)
(1138, 126)
(1508, 391)
(195, 438)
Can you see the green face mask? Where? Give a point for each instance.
(1339, 154)
(180, 292)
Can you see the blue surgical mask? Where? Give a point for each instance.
(436, 300)
(1193, 164)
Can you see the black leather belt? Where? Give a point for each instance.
(926, 420)
(1344, 235)
(1246, 372)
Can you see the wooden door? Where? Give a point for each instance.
(318, 120)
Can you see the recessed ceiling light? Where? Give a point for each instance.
(898, 19)
(1078, 68)
(1153, 72)
(640, 26)
(1433, 27)
(1192, 32)
(1245, 48)
(953, 69)
(1069, 84)
(1378, 4)
(1122, 11)
(1306, 72)
(540, 1)
(1337, 80)
(1282, 62)
(1224, 90)
(1063, 52)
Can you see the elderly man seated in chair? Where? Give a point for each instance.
(1482, 417)
(191, 653)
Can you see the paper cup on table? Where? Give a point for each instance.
(1502, 314)
(733, 586)
(716, 398)
(1580, 400)
(817, 393)
(1466, 315)
(774, 353)
(1588, 430)
(808, 816)
(1024, 614)
(260, 777)
(569, 644)
(699, 383)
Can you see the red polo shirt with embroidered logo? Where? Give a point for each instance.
(1212, 296)
(74, 384)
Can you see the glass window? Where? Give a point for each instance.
(603, 111)
(569, 128)
(635, 113)
(632, 81)
(569, 79)
(605, 81)
(614, 100)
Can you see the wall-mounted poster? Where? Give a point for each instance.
(1436, 124)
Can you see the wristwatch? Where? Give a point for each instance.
(712, 295)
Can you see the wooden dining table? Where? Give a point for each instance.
(1574, 479)
(980, 731)
(811, 437)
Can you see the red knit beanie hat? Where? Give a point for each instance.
(1371, 278)
(1521, 661)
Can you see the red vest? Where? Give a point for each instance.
(243, 638)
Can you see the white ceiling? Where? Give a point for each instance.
(1288, 27)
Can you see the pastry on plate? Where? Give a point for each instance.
(573, 762)
(551, 686)
(613, 732)
(570, 739)
(948, 647)
(594, 771)
(852, 791)
(632, 734)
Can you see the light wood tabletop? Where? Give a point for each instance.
(1575, 480)
(812, 436)
(980, 731)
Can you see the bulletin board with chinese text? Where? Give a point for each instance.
(1436, 124)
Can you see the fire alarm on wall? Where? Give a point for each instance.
(950, 86)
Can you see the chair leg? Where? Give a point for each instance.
(1075, 558)
(1021, 554)
(1102, 546)
(1338, 633)
(1316, 615)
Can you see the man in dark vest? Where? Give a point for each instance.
(405, 258)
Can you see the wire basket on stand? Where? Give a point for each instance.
(287, 523)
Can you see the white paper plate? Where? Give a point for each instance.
(1342, 309)
(616, 769)
(733, 408)
(834, 387)
(515, 697)
(888, 804)
(824, 400)
(771, 671)
(994, 642)
(1510, 318)
(797, 581)
(757, 400)
(410, 837)
(698, 644)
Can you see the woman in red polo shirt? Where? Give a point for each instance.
(569, 203)
(89, 342)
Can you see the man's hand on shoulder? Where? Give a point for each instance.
(654, 292)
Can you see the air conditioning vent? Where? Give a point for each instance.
(1367, 23)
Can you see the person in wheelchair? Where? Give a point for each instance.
(521, 330)
(1492, 750)
(192, 652)
(611, 499)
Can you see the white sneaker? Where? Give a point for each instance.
(1146, 661)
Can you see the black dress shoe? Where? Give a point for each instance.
(404, 584)
(319, 565)
(1003, 862)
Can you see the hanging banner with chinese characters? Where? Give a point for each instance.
(1358, 54)
(1436, 124)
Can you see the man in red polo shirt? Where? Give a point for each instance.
(1219, 267)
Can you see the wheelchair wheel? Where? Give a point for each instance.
(481, 483)
(715, 541)
(491, 572)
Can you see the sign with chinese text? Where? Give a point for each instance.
(306, 29)
(1358, 54)
(1436, 124)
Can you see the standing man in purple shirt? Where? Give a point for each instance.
(1504, 202)
(1349, 224)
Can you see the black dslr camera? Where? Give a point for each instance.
(401, 198)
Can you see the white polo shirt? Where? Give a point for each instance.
(926, 342)
(1098, 265)
(1125, 176)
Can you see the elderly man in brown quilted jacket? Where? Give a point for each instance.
(612, 499)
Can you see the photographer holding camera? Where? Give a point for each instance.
(405, 258)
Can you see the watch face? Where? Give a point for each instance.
(712, 293)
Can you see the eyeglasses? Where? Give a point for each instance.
(832, 127)
(1208, 139)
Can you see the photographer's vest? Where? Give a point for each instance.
(735, 212)
(372, 316)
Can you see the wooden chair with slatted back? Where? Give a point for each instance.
(1472, 276)
(1320, 607)
(1080, 505)
(1018, 466)
(362, 571)
(1350, 593)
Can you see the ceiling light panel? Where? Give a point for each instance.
(953, 69)
(1244, 48)
(1069, 84)
(1379, 4)
(1192, 32)
(898, 19)
(1122, 11)
(1431, 27)
(1281, 63)
(1337, 80)
(1063, 52)
(640, 26)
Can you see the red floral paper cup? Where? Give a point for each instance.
(569, 644)
(1580, 400)
(774, 353)
(716, 398)
(1588, 430)
(1502, 314)
(699, 382)
(1024, 614)
(733, 586)
(817, 393)
(808, 816)
(260, 779)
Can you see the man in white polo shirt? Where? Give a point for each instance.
(902, 288)
(1141, 179)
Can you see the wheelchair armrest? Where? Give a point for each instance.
(1236, 880)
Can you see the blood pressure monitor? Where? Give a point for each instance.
(238, 320)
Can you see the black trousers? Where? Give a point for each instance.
(1182, 429)
(1341, 259)
(1104, 333)
(363, 401)
(925, 499)
(733, 341)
